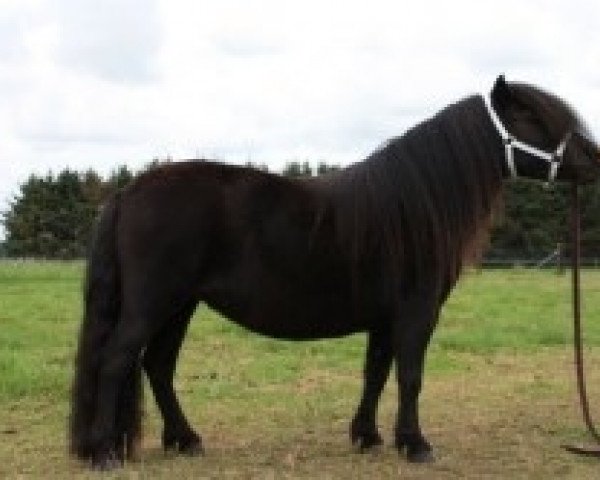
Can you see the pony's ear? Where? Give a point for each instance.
(501, 92)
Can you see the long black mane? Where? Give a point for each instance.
(419, 202)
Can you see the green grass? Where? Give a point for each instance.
(517, 310)
(498, 398)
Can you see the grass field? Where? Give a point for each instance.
(499, 396)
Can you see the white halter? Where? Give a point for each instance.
(510, 143)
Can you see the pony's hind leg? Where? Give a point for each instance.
(160, 359)
(120, 356)
(363, 429)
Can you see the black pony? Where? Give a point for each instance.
(374, 248)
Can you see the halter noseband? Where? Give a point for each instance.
(510, 143)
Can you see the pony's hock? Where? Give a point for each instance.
(374, 248)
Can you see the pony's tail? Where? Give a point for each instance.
(102, 304)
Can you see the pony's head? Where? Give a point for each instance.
(544, 136)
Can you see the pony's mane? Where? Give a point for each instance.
(419, 203)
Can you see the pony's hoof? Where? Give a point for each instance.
(422, 455)
(106, 461)
(418, 449)
(188, 444)
(364, 438)
(366, 441)
(191, 448)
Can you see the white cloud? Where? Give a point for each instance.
(113, 39)
(95, 84)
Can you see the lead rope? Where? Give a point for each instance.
(577, 341)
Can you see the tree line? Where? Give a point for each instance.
(535, 221)
(52, 215)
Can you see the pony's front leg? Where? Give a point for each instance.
(363, 429)
(411, 337)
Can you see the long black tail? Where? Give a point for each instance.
(102, 304)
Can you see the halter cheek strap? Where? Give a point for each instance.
(553, 159)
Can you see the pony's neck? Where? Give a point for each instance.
(449, 171)
(474, 175)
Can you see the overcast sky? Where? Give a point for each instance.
(101, 83)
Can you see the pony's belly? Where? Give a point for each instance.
(306, 317)
(283, 306)
(301, 325)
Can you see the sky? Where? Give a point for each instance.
(97, 84)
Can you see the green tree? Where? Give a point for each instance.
(23, 221)
(297, 169)
(323, 168)
(94, 188)
(52, 216)
(123, 176)
(263, 167)
(292, 169)
(535, 219)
